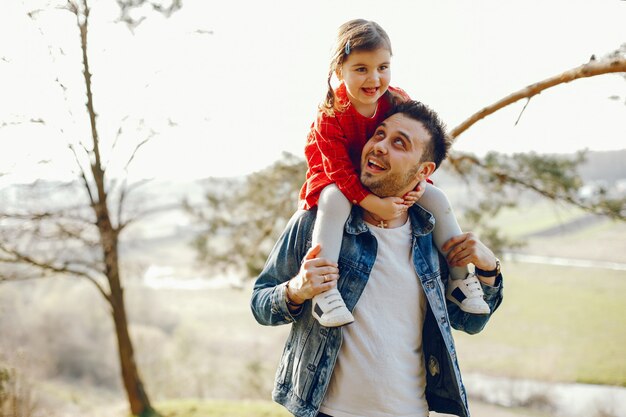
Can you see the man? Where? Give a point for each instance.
(398, 357)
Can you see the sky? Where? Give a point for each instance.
(223, 88)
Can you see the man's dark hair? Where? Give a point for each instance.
(438, 147)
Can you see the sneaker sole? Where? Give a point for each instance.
(468, 310)
(334, 321)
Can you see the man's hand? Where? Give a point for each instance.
(317, 275)
(467, 248)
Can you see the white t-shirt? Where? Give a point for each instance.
(380, 369)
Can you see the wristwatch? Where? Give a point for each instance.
(493, 273)
(287, 299)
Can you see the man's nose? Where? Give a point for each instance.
(380, 147)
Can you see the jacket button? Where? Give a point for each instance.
(324, 331)
(311, 367)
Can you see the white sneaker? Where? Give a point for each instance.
(467, 294)
(330, 310)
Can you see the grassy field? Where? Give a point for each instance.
(213, 408)
(556, 324)
(519, 222)
(572, 233)
(195, 408)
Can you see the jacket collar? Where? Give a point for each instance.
(422, 222)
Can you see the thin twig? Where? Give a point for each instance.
(83, 176)
(522, 112)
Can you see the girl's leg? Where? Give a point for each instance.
(464, 288)
(332, 212)
(446, 225)
(333, 209)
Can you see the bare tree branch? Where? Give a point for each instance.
(83, 176)
(611, 64)
(145, 213)
(522, 112)
(124, 192)
(49, 268)
(20, 122)
(117, 135)
(51, 215)
(139, 145)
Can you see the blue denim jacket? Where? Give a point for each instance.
(311, 350)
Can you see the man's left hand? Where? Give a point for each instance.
(467, 248)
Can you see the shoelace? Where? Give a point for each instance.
(473, 287)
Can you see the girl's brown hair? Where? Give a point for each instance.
(352, 36)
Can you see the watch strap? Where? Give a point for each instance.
(287, 299)
(493, 273)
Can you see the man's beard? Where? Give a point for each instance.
(391, 185)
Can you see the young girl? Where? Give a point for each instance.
(346, 120)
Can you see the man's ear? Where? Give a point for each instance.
(425, 170)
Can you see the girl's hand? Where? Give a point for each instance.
(411, 197)
(390, 208)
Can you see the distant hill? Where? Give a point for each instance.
(607, 166)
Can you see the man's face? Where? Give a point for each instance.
(390, 159)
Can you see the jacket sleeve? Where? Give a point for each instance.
(333, 146)
(268, 302)
(474, 323)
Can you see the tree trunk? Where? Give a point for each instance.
(137, 397)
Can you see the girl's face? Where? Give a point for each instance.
(367, 75)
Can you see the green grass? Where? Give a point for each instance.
(234, 408)
(556, 324)
(221, 408)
